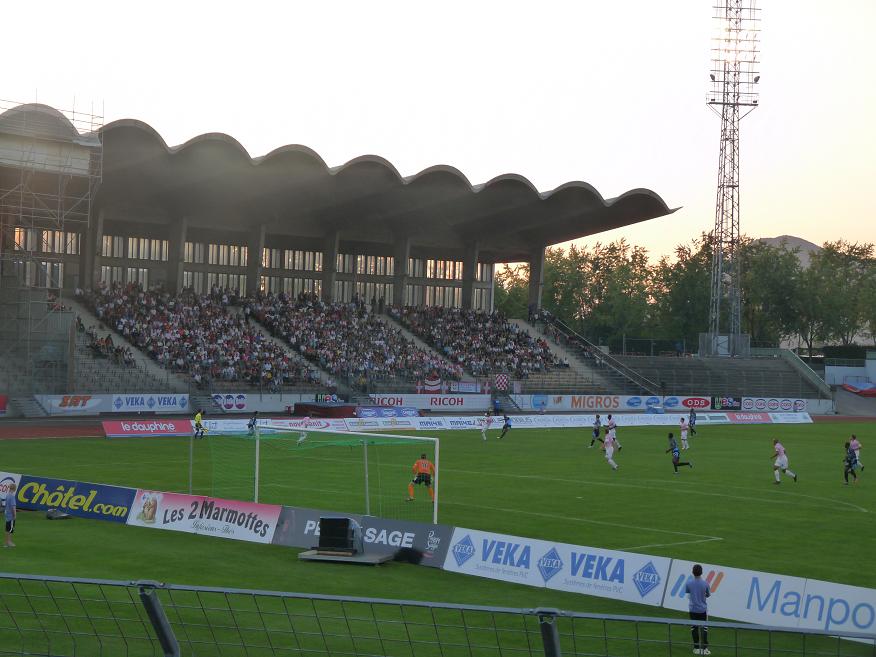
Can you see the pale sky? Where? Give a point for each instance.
(612, 93)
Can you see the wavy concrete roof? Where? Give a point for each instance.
(213, 182)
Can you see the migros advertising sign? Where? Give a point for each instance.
(86, 500)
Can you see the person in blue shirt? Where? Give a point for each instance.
(506, 427)
(692, 422)
(597, 425)
(10, 513)
(697, 590)
(851, 462)
(676, 454)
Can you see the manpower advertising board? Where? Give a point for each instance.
(780, 600)
(578, 569)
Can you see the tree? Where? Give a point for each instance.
(848, 268)
(770, 277)
(682, 291)
(512, 291)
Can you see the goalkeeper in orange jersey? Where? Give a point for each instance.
(423, 471)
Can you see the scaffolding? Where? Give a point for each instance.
(51, 164)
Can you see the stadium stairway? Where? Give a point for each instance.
(584, 375)
(25, 407)
(389, 321)
(325, 378)
(146, 371)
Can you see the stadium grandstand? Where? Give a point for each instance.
(130, 265)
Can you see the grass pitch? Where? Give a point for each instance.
(535, 483)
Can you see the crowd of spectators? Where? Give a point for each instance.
(195, 334)
(484, 343)
(347, 340)
(104, 347)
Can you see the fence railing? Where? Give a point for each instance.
(68, 617)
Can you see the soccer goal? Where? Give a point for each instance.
(365, 473)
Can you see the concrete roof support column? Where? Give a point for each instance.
(89, 261)
(255, 248)
(401, 254)
(536, 278)
(330, 265)
(176, 251)
(469, 274)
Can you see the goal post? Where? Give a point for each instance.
(360, 472)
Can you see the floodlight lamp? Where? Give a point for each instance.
(712, 76)
(756, 79)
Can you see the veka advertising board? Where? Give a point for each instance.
(82, 499)
(779, 600)
(419, 543)
(578, 569)
(436, 402)
(97, 404)
(194, 514)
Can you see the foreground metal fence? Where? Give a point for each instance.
(65, 617)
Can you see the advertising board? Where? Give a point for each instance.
(7, 478)
(194, 514)
(774, 404)
(627, 403)
(436, 402)
(145, 428)
(387, 411)
(779, 600)
(82, 499)
(4, 402)
(578, 569)
(241, 402)
(727, 403)
(414, 542)
(96, 404)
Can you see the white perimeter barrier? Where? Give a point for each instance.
(137, 428)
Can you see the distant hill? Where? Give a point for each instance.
(806, 247)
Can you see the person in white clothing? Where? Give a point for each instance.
(608, 446)
(683, 427)
(486, 421)
(610, 427)
(781, 462)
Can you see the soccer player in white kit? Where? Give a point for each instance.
(683, 430)
(302, 435)
(485, 424)
(610, 427)
(781, 462)
(855, 446)
(608, 445)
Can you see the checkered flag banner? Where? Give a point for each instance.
(502, 382)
